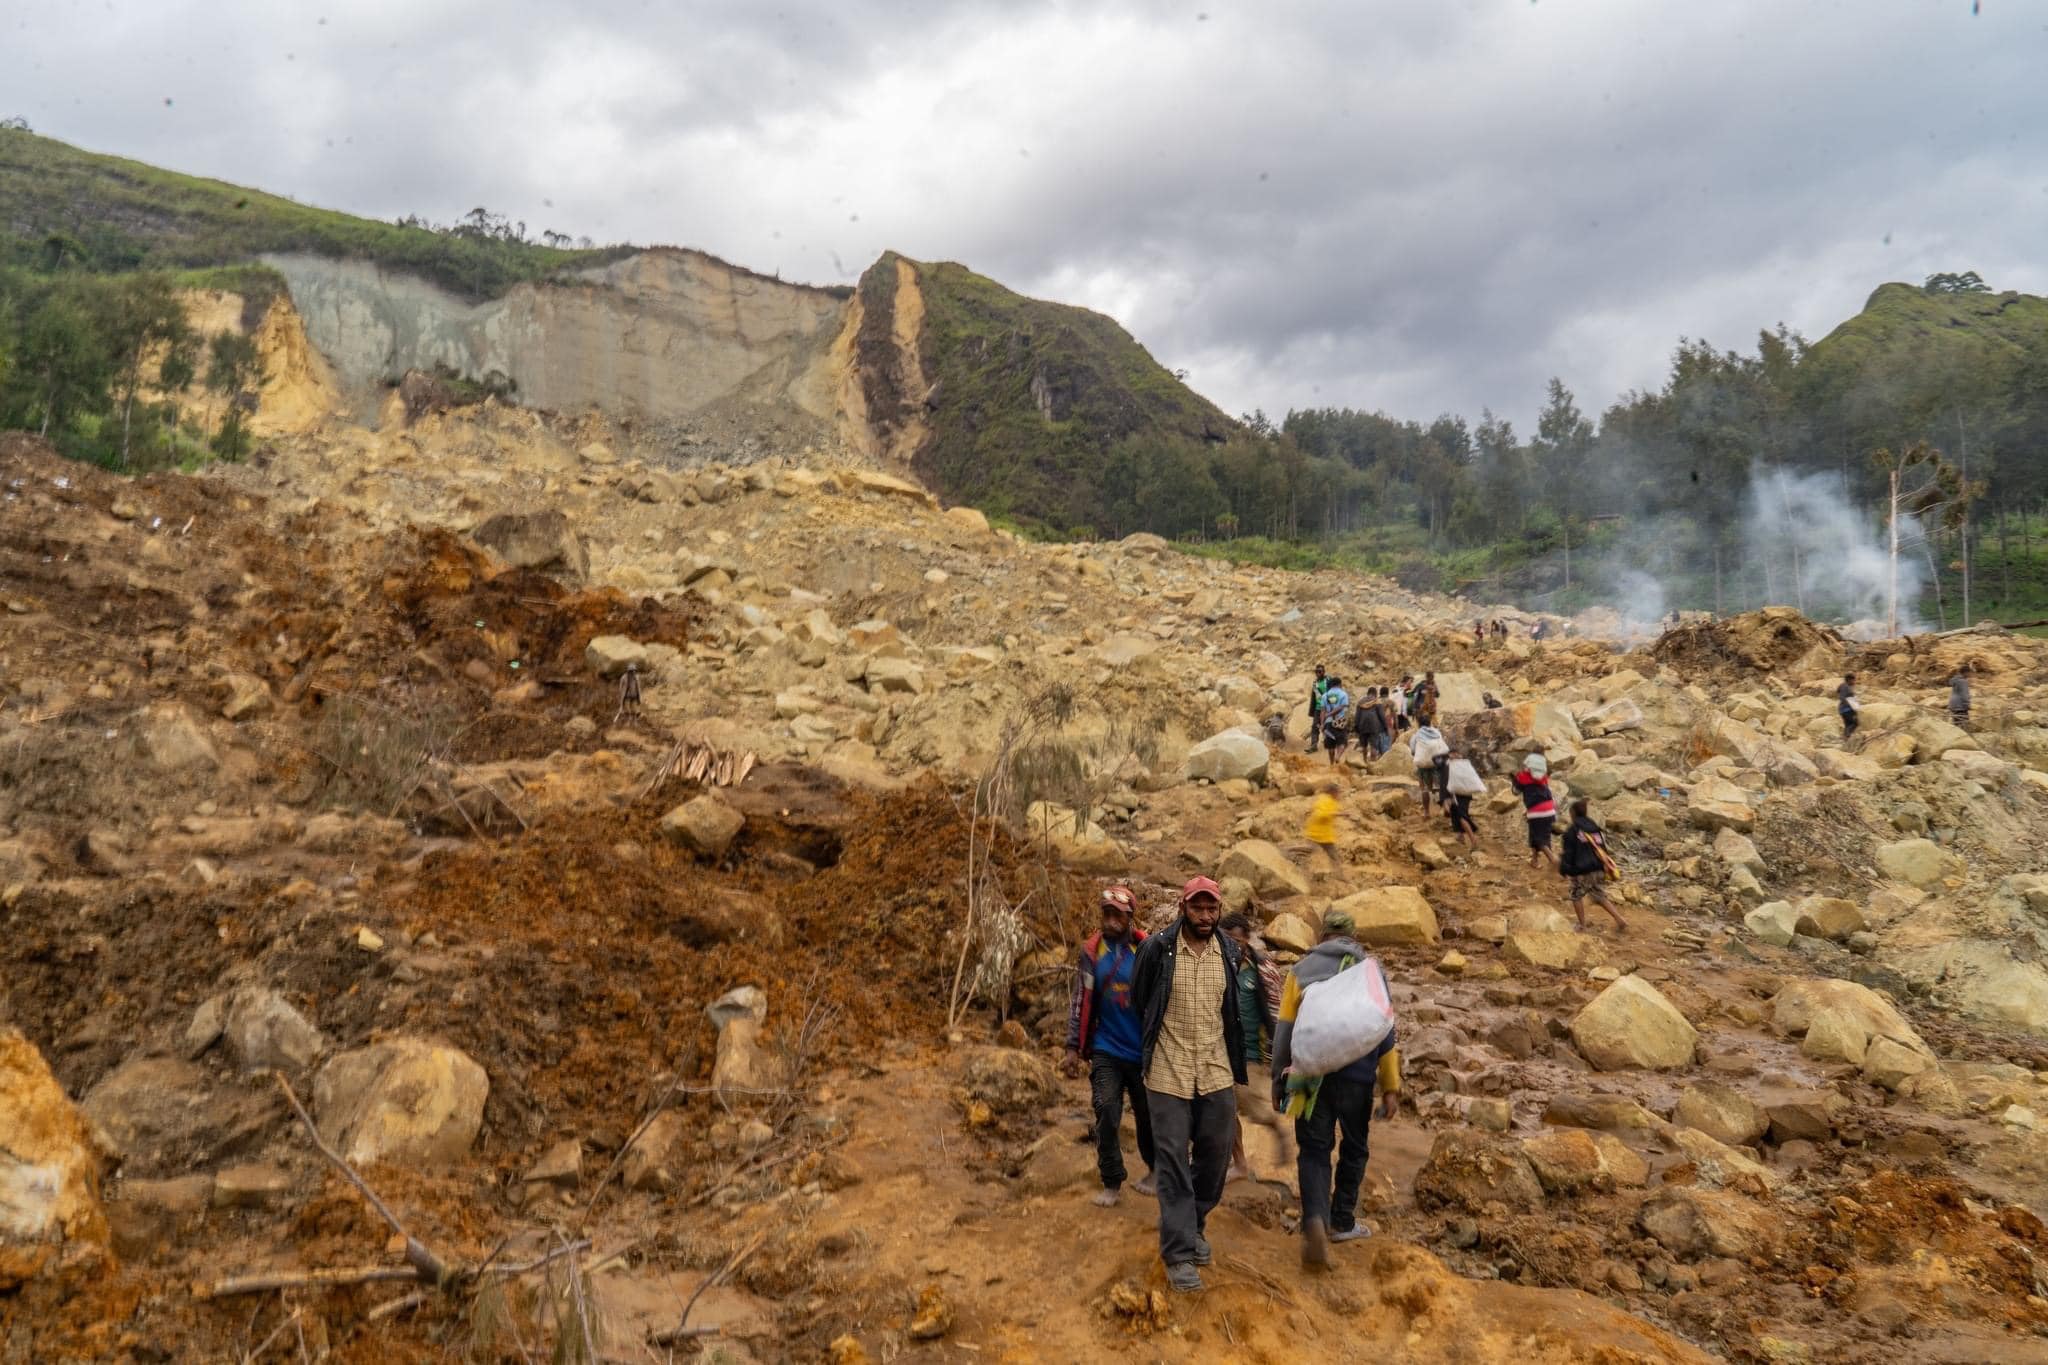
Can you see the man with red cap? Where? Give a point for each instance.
(1103, 1030)
(1192, 1057)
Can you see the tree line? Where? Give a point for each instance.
(104, 366)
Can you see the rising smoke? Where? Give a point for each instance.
(1803, 544)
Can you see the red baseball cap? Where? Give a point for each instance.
(1119, 896)
(1201, 886)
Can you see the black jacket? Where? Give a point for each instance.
(1152, 986)
(1577, 857)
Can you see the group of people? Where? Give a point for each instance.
(1482, 631)
(1194, 1029)
(1375, 719)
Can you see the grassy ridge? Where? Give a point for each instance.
(110, 214)
(1030, 396)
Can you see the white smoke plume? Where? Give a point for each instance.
(1825, 556)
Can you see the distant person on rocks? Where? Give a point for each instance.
(1276, 729)
(1461, 783)
(1587, 864)
(1315, 708)
(1401, 703)
(1336, 718)
(1370, 723)
(1193, 1058)
(1479, 632)
(1104, 1033)
(1258, 999)
(1321, 829)
(1848, 707)
(1532, 784)
(1323, 1107)
(1386, 709)
(1536, 631)
(1959, 697)
(1427, 748)
(1426, 698)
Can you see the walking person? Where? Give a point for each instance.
(1848, 707)
(1427, 748)
(1426, 698)
(1315, 708)
(1532, 784)
(1461, 783)
(1332, 1112)
(1258, 1000)
(1587, 864)
(1400, 700)
(1959, 697)
(1193, 1060)
(1336, 719)
(1321, 828)
(1370, 723)
(1103, 1034)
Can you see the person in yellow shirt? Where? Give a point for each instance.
(1324, 1106)
(1321, 829)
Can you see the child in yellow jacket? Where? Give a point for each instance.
(1321, 829)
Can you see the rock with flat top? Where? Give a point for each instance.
(1717, 1164)
(1471, 1172)
(1390, 915)
(1917, 862)
(535, 540)
(705, 825)
(611, 655)
(1721, 1113)
(1631, 1024)
(1271, 872)
(408, 1101)
(1231, 754)
(1571, 1161)
(1691, 1223)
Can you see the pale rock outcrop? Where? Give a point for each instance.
(1631, 1024)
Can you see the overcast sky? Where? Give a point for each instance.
(1420, 206)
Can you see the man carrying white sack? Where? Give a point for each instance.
(1334, 1044)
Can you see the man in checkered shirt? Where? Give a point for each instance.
(1193, 1058)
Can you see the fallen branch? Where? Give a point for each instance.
(396, 1306)
(682, 1330)
(305, 1279)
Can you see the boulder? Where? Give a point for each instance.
(1723, 1114)
(610, 655)
(406, 1100)
(1808, 1116)
(1917, 862)
(174, 739)
(1776, 923)
(1736, 850)
(1390, 915)
(705, 825)
(1604, 1112)
(968, 519)
(1716, 803)
(1232, 754)
(1785, 767)
(1271, 872)
(1829, 917)
(1631, 1024)
(887, 675)
(1566, 951)
(561, 1164)
(1716, 1164)
(1078, 842)
(1289, 934)
(1008, 1080)
(1889, 752)
(1241, 693)
(1835, 1035)
(1892, 1064)
(1612, 719)
(264, 1032)
(1691, 1223)
(1471, 1172)
(1846, 767)
(739, 1063)
(1596, 784)
(1570, 1161)
(535, 540)
(646, 1164)
(50, 1165)
(1127, 651)
(1857, 1016)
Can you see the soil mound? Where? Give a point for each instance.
(1774, 640)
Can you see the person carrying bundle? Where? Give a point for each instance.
(1461, 783)
(1588, 866)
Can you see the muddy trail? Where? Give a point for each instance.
(667, 1030)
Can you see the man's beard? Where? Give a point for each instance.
(1201, 933)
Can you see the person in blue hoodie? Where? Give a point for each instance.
(1104, 1033)
(1324, 1107)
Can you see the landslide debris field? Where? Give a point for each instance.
(319, 773)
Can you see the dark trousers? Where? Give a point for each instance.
(1461, 815)
(1849, 722)
(1192, 1140)
(1344, 1106)
(1109, 1080)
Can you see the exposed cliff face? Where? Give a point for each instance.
(664, 334)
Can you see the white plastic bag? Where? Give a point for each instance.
(1464, 779)
(1341, 1019)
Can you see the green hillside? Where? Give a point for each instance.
(62, 205)
(1030, 399)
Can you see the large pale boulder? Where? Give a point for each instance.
(1613, 718)
(535, 540)
(1829, 917)
(1271, 872)
(1079, 843)
(886, 675)
(1917, 862)
(1545, 722)
(611, 655)
(1775, 922)
(1288, 934)
(1786, 767)
(1570, 1161)
(1890, 1064)
(1566, 951)
(1846, 767)
(406, 1100)
(1126, 652)
(1008, 1080)
(1849, 1016)
(1631, 1024)
(1460, 694)
(1716, 803)
(50, 1160)
(264, 1032)
(705, 825)
(1232, 754)
(1471, 1171)
(1690, 1223)
(1721, 1113)
(1390, 915)
(1736, 850)
(1716, 1164)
